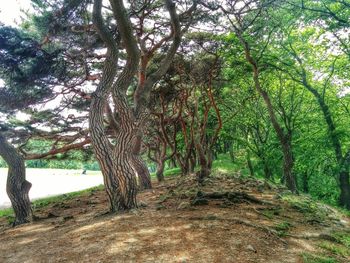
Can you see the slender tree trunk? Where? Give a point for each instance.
(142, 172)
(204, 171)
(250, 165)
(17, 186)
(139, 165)
(305, 182)
(282, 137)
(288, 164)
(160, 171)
(344, 198)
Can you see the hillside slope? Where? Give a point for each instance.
(229, 219)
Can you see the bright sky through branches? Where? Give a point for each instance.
(11, 11)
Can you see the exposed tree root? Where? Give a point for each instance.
(235, 197)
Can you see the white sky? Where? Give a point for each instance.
(11, 11)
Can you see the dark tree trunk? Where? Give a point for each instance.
(344, 198)
(17, 186)
(288, 164)
(250, 165)
(192, 162)
(305, 182)
(160, 171)
(204, 162)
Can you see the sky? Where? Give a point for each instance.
(10, 11)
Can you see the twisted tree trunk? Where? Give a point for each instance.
(17, 186)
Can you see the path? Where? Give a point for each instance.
(50, 182)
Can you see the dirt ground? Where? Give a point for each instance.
(168, 227)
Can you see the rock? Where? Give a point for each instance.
(183, 205)
(251, 248)
(200, 201)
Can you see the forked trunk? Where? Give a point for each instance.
(17, 186)
(115, 160)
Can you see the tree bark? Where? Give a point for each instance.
(17, 186)
(142, 172)
(139, 165)
(160, 171)
(115, 160)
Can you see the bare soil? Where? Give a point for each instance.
(168, 228)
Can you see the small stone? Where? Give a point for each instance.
(251, 248)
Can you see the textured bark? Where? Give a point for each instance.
(142, 172)
(114, 160)
(139, 165)
(17, 186)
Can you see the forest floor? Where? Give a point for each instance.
(229, 219)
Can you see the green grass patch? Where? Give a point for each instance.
(282, 228)
(335, 249)
(311, 258)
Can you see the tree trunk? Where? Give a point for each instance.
(250, 165)
(139, 165)
(17, 186)
(142, 172)
(160, 171)
(204, 171)
(288, 164)
(284, 139)
(305, 182)
(344, 199)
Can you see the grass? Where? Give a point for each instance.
(311, 258)
(283, 228)
(44, 202)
